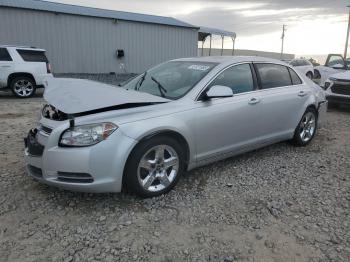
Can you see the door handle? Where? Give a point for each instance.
(253, 101)
(302, 93)
(5, 66)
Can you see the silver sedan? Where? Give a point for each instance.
(182, 114)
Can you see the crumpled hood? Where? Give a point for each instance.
(342, 76)
(73, 96)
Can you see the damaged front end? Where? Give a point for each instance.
(50, 112)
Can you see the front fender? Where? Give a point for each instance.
(140, 129)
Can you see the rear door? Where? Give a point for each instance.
(283, 95)
(6, 64)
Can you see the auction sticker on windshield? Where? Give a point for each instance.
(199, 67)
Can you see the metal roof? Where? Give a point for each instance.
(206, 31)
(22, 47)
(94, 12)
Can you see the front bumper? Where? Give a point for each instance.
(338, 99)
(95, 169)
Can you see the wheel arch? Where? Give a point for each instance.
(164, 132)
(317, 74)
(18, 74)
(173, 134)
(309, 71)
(312, 106)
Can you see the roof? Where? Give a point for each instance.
(206, 31)
(40, 5)
(22, 47)
(231, 59)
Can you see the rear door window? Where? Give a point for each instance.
(239, 78)
(4, 55)
(32, 55)
(273, 75)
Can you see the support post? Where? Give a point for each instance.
(203, 45)
(347, 38)
(222, 44)
(233, 45)
(210, 46)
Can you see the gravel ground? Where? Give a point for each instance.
(279, 203)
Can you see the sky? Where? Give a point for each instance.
(313, 26)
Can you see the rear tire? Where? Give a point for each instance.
(154, 167)
(23, 87)
(306, 129)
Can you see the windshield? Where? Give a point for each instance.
(171, 80)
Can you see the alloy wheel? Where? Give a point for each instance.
(158, 168)
(23, 88)
(307, 126)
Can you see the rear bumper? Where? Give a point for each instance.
(40, 79)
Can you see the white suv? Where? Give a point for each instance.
(303, 66)
(23, 69)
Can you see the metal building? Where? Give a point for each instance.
(85, 40)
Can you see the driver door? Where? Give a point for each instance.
(228, 124)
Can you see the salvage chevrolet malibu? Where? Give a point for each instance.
(177, 116)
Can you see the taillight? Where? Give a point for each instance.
(48, 68)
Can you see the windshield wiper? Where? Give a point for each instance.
(161, 88)
(139, 83)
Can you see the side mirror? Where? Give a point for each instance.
(219, 92)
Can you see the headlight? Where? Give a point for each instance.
(87, 135)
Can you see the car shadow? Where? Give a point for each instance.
(192, 182)
(8, 95)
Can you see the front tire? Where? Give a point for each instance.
(23, 87)
(306, 128)
(154, 167)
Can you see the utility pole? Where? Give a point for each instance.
(283, 30)
(347, 37)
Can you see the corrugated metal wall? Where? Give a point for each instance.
(80, 44)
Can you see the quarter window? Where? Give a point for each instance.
(272, 75)
(32, 55)
(239, 78)
(295, 78)
(4, 55)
